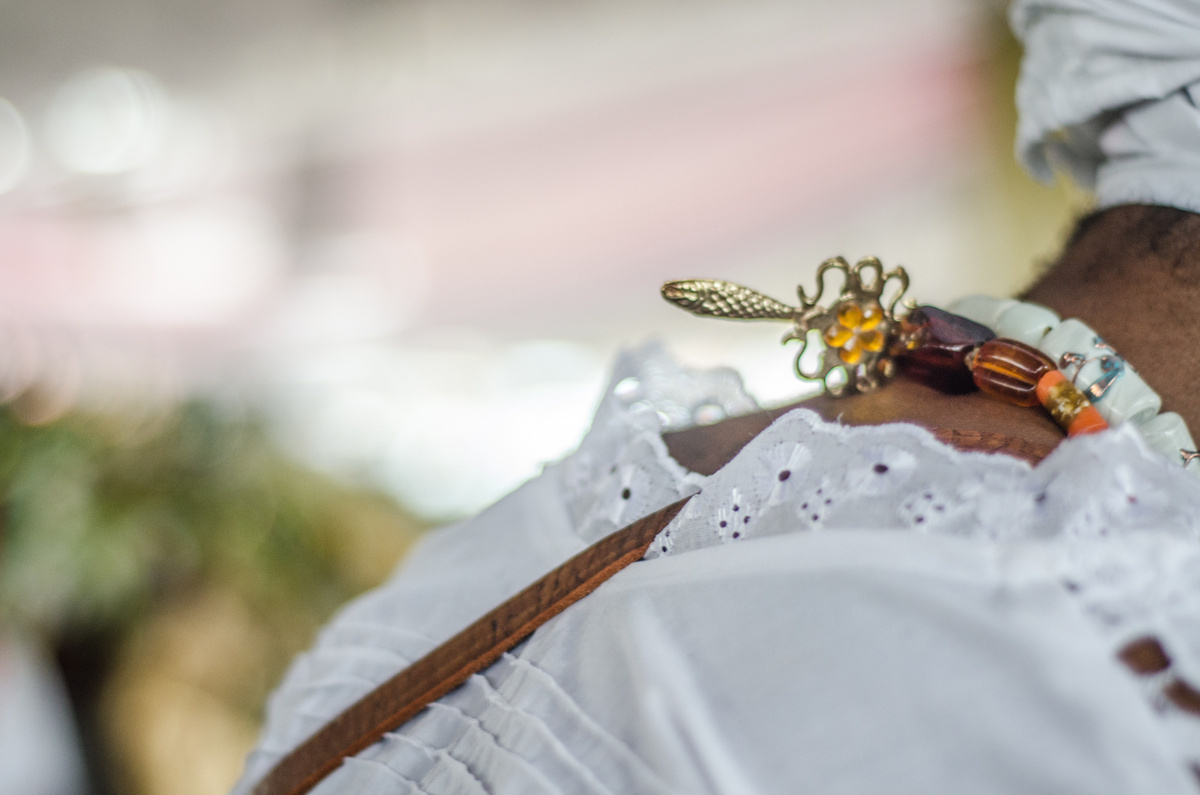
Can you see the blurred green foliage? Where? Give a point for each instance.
(175, 561)
(102, 520)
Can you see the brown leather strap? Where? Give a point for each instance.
(404, 695)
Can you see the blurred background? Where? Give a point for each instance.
(283, 283)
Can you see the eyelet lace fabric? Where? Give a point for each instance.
(1122, 526)
(1112, 530)
(621, 470)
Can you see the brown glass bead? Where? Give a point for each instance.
(932, 346)
(1009, 370)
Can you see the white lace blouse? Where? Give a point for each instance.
(838, 610)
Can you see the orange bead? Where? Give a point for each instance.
(1010, 371)
(1087, 421)
(1069, 407)
(1048, 382)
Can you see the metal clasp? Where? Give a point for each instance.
(1112, 368)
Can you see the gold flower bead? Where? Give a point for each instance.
(856, 331)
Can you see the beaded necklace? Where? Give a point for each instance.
(1017, 352)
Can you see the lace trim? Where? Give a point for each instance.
(622, 470)
(1120, 523)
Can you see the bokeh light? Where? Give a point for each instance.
(106, 120)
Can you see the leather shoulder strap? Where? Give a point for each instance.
(470, 651)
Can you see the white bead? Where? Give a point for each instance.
(1026, 323)
(982, 309)
(1168, 434)
(1128, 399)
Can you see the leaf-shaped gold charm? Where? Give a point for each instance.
(711, 298)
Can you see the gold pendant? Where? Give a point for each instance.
(856, 331)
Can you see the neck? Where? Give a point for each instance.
(1132, 273)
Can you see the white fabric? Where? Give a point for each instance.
(1108, 92)
(894, 616)
(39, 746)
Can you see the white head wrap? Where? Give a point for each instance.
(1109, 91)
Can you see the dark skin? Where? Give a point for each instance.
(1132, 273)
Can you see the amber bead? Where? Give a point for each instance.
(850, 315)
(1009, 370)
(872, 316)
(872, 340)
(836, 336)
(932, 347)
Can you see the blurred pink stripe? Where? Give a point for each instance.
(575, 210)
(565, 215)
